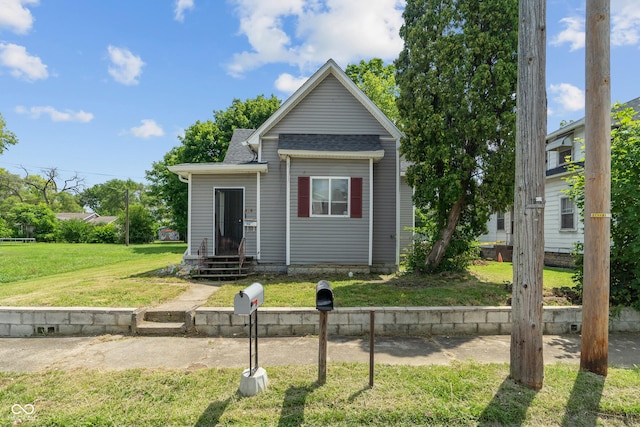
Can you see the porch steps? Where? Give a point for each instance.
(224, 267)
(163, 322)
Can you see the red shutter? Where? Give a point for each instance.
(356, 197)
(303, 196)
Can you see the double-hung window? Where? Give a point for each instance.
(329, 196)
(567, 213)
(500, 221)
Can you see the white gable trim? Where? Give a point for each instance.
(330, 67)
(349, 155)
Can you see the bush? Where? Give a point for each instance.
(104, 234)
(75, 231)
(459, 256)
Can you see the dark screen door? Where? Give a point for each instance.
(228, 220)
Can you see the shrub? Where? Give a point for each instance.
(75, 231)
(104, 234)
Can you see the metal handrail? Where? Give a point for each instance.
(203, 253)
(241, 256)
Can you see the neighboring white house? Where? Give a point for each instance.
(562, 225)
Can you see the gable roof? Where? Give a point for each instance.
(329, 68)
(330, 146)
(239, 153)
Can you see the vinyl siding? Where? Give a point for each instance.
(202, 208)
(272, 206)
(406, 215)
(329, 109)
(329, 240)
(555, 239)
(384, 206)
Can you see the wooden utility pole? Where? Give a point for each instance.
(594, 355)
(126, 221)
(527, 367)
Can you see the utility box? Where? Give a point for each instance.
(248, 300)
(324, 296)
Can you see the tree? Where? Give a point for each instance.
(203, 142)
(378, 82)
(37, 221)
(457, 77)
(141, 225)
(51, 184)
(625, 208)
(6, 136)
(109, 198)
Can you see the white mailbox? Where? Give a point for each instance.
(248, 300)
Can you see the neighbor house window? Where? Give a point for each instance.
(500, 221)
(330, 196)
(567, 212)
(564, 156)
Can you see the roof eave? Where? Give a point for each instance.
(344, 155)
(186, 169)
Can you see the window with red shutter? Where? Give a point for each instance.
(303, 196)
(356, 197)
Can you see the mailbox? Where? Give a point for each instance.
(324, 296)
(248, 300)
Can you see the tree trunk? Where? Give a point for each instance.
(594, 354)
(527, 367)
(440, 246)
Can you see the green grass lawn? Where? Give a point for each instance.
(93, 275)
(483, 284)
(99, 275)
(464, 394)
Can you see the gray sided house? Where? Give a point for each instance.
(318, 185)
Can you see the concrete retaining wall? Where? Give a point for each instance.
(392, 321)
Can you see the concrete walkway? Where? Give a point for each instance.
(195, 295)
(113, 352)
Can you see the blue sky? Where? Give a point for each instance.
(104, 88)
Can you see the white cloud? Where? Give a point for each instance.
(625, 26)
(125, 67)
(306, 33)
(15, 16)
(22, 65)
(148, 129)
(574, 33)
(288, 84)
(181, 6)
(568, 96)
(625, 20)
(55, 115)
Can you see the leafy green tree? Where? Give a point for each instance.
(457, 76)
(625, 207)
(378, 82)
(202, 142)
(142, 228)
(109, 198)
(75, 231)
(5, 231)
(37, 221)
(51, 185)
(6, 136)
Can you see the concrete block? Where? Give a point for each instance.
(264, 318)
(420, 329)
(555, 328)
(69, 329)
(10, 317)
(465, 328)
(429, 316)
(310, 318)
(442, 329)
(505, 328)
(252, 385)
(360, 318)
(208, 330)
(407, 317)
(57, 317)
(332, 330)
(124, 319)
(396, 329)
(337, 318)
(453, 316)
(5, 330)
(290, 319)
(117, 330)
(93, 330)
(475, 316)
(104, 319)
(80, 318)
(565, 315)
(232, 331)
(21, 330)
(244, 320)
(500, 316)
(386, 318)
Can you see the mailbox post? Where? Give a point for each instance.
(324, 304)
(246, 303)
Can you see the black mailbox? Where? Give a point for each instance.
(324, 296)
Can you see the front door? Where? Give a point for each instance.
(229, 208)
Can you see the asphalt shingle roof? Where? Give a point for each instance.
(326, 142)
(237, 153)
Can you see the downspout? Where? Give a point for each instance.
(370, 212)
(189, 189)
(288, 215)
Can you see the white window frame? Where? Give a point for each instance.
(566, 212)
(329, 214)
